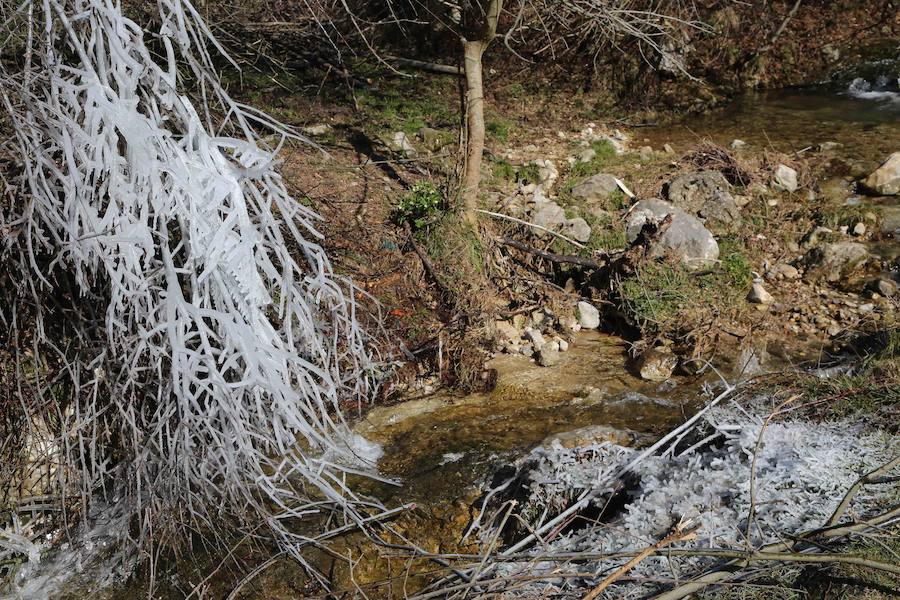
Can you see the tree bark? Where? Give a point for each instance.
(473, 53)
(475, 129)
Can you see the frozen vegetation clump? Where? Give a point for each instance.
(800, 474)
(213, 341)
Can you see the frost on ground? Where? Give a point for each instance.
(801, 472)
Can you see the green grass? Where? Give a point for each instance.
(498, 129)
(505, 171)
(655, 296)
(401, 108)
(605, 155)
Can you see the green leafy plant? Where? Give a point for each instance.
(418, 206)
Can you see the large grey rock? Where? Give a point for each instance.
(706, 194)
(885, 180)
(588, 315)
(834, 262)
(547, 173)
(596, 188)
(578, 229)
(549, 215)
(686, 238)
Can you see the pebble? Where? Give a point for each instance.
(759, 295)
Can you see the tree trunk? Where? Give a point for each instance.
(473, 53)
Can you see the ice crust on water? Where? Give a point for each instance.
(802, 471)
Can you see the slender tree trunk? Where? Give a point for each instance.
(473, 53)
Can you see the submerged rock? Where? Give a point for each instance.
(657, 364)
(592, 434)
(885, 180)
(686, 239)
(548, 356)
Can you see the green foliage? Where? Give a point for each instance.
(401, 108)
(420, 205)
(656, 294)
(605, 152)
(843, 216)
(504, 170)
(498, 129)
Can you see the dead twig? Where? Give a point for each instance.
(684, 530)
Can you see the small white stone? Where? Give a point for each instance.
(759, 295)
(588, 315)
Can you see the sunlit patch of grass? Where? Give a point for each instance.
(604, 151)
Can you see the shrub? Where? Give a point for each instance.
(420, 205)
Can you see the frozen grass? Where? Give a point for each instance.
(210, 377)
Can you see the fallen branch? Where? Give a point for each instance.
(551, 256)
(422, 65)
(521, 222)
(684, 530)
(776, 552)
(871, 477)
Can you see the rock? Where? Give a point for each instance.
(750, 361)
(668, 149)
(547, 174)
(548, 356)
(685, 239)
(526, 350)
(592, 434)
(827, 146)
(400, 143)
(596, 188)
(535, 337)
(657, 364)
(317, 130)
(884, 286)
(563, 346)
(834, 262)
(578, 229)
(831, 53)
(890, 220)
(784, 271)
(549, 215)
(588, 315)
(885, 180)
(785, 178)
(859, 229)
(737, 144)
(759, 295)
(507, 331)
(432, 139)
(707, 195)
(587, 155)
